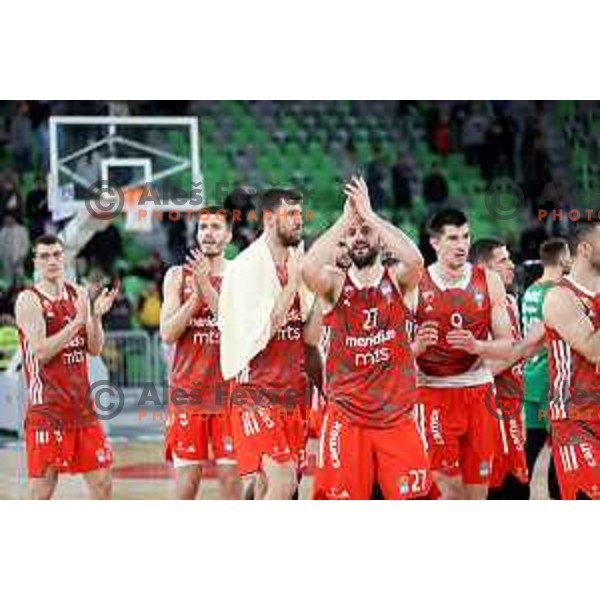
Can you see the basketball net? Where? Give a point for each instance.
(136, 218)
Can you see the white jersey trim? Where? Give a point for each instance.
(481, 375)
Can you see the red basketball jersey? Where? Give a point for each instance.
(370, 368)
(57, 391)
(196, 383)
(278, 371)
(461, 308)
(574, 381)
(509, 383)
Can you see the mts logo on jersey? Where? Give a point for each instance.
(374, 343)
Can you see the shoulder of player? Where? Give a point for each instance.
(495, 285)
(335, 272)
(558, 301)
(27, 297)
(27, 304)
(174, 274)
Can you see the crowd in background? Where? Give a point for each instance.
(500, 139)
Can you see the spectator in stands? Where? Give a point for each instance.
(401, 182)
(473, 135)
(350, 165)
(556, 201)
(10, 199)
(9, 340)
(497, 156)
(176, 230)
(20, 137)
(36, 208)
(534, 160)
(148, 310)
(441, 135)
(39, 112)
(14, 248)
(376, 179)
(104, 249)
(153, 268)
(532, 238)
(244, 232)
(118, 317)
(435, 187)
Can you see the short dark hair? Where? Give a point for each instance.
(220, 211)
(47, 239)
(551, 250)
(270, 199)
(483, 249)
(444, 217)
(583, 228)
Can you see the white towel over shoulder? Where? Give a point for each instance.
(248, 294)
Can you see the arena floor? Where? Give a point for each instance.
(140, 473)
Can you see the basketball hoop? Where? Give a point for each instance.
(136, 218)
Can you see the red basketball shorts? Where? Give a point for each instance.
(460, 431)
(576, 452)
(509, 453)
(70, 450)
(352, 457)
(194, 437)
(267, 430)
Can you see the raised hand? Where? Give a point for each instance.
(82, 306)
(105, 300)
(200, 268)
(358, 198)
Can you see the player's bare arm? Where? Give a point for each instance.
(564, 314)
(319, 270)
(408, 271)
(30, 320)
(312, 336)
(101, 305)
(175, 315)
(532, 343)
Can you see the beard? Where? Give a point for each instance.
(289, 238)
(211, 250)
(367, 259)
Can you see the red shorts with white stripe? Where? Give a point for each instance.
(267, 430)
(315, 414)
(351, 457)
(69, 450)
(509, 456)
(460, 432)
(576, 452)
(197, 437)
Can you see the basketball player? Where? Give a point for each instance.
(572, 319)
(369, 432)
(268, 417)
(58, 329)
(556, 258)
(198, 424)
(461, 320)
(510, 476)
